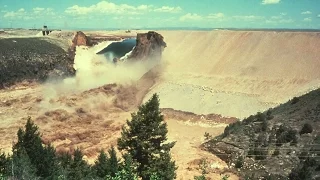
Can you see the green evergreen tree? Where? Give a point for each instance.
(79, 169)
(21, 166)
(204, 167)
(129, 167)
(64, 159)
(144, 139)
(113, 162)
(48, 167)
(41, 157)
(122, 175)
(4, 165)
(101, 165)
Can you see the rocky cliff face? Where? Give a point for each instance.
(32, 59)
(79, 39)
(149, 46)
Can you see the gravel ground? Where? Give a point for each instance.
(32, 59)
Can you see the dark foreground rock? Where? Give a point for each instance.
(32, 59)
(149, 46)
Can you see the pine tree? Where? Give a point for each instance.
(144, 139)
(21, 166)
(101, 165)
(4, 165)
(79, 169)
(64, 159)
(48, 167)
(41, 157)
(127, 172)
(113, 162)
(129, 167)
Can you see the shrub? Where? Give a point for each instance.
(304, 171)
(248, 120)
(264, 125)
(231, 128)
(316, 140)
(260, 117)
(207, 136)
(262, 139)
(239, 162)
(294, 100)
(307, 128)
(276, 152)
(225, 177)
(250, 152)
(260, 153)
(303, 155)
(269, 115)
(203, 166)
(286, 135)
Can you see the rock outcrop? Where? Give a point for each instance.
(79, 39)
(149, 46)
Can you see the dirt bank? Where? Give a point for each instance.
(224, 71)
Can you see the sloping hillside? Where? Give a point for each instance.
(276, 141)
(223, 71)
(33, 59)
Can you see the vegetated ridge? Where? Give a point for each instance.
(279, 143)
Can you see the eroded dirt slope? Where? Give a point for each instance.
(224, 71)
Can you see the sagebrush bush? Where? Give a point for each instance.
(239, 162)
(286, 135)
(307, 128)
(294, 100)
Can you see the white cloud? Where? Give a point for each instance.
(190, 16)
(37, 10)
(143, 7)
(248, 18)
(28, 15)
(105, 7)
(218, 16)
(306, 12)
(276, 17)
(308, 19)
(279, 19)
(43, 11)
(286, 21)
(19, 14)
(134, 18)
(169, 9)
(264, 2)
(9, 14)
(117, 17)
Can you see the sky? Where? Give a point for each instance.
(128, 14)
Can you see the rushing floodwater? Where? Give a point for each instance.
(118, 49)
